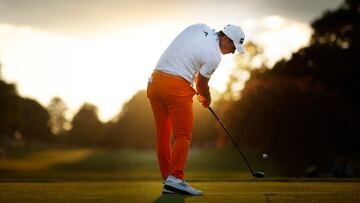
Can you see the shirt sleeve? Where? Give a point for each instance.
(209, 67)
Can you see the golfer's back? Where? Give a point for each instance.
(194, 49)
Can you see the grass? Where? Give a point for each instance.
(149, 191)
(42, 160)
(96, 164)
(93, 175)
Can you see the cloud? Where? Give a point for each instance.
(305, 10)
(79, 15)
(90, 15)
(281, 37)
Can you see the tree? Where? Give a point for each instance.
(33, 125)
(305, 111)
(134, 126)
(9, 112)
(58, 122)
(87, 129)
(204, 133)
(21, 119)
(253, 58)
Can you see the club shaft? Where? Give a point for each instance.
(232, 139)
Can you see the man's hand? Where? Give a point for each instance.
(205, 101)
(202, 88)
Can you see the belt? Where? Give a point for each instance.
(169, 75)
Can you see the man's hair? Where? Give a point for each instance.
(221, 34)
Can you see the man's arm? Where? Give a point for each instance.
(202, 87)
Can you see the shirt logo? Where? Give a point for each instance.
(206, 33)
(241, 40)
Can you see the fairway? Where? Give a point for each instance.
(149, 191)
(86, 175)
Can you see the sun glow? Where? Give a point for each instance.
(108, 67)
(282, 37)
(105, 69)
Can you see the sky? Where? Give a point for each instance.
(103, 51)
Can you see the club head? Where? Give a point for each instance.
(259, 174)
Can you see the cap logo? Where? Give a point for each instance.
(241, 40)
(206, 33)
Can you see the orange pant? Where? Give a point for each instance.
(171, 102)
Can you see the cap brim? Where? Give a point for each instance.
(239, 48)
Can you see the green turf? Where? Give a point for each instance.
(93, 175)
(94, 164)
(149, 191)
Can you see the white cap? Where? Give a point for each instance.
(236, 34)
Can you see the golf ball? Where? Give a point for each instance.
(265, 156)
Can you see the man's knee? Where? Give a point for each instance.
(183, 134)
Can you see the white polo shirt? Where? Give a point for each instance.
(196, 49)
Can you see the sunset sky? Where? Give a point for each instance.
(103, 51)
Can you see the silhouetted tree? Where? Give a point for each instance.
(87, 129)
(204, 132)
(253, 58)
(21, 120)
(58, 122)
(133, 127)
(34, 122)
(305, 111)
(9, 112)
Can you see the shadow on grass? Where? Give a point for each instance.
(173, 198)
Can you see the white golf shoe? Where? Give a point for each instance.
(177, 185)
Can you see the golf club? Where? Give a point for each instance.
(255, 174)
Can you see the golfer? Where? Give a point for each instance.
(193, 56)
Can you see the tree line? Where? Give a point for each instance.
(24, 121)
